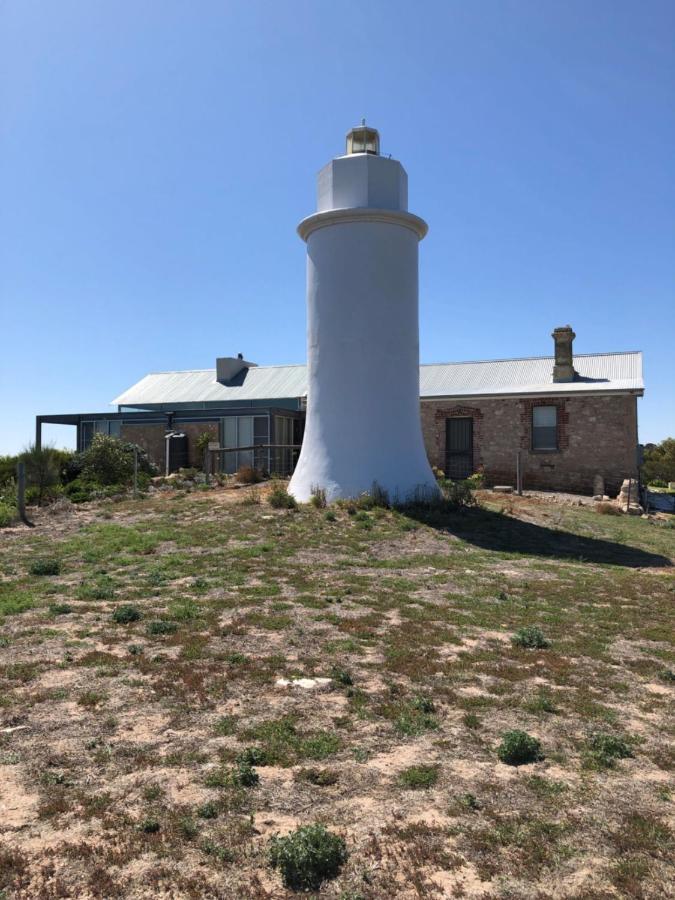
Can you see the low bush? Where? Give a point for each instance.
(603, 749)
(418, 777)
(519, 748)
(8, 515)
(126, 613)
(330, 516)
(253, 756)
(279, 498)
(45, 567)
(318, 777)
(531, 637)
(308, 856)
(341, 676)
(248, 475)
(161, 626)
(102, 588)
(475, 481)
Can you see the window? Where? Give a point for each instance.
(545, 428)
(245, 431)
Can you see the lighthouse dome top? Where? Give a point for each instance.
(363, 139)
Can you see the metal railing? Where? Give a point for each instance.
(269, 459)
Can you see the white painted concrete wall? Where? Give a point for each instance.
(363, 415)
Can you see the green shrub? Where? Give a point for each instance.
(45, 567)
(658, 482)
(603, 749)
(8, 515)
(329, 516)
(415, 717)
(208, 810)
(342, 676)
(519, 748)
(60, 609)
(418, 777)
(43, 472)
(102, 588)
(110, 461)
(531, 637)
(149, 826)
(279, 498)
(161, 626)
(253, 756)
(126, 613)
(242, 775)
(308, 856)
(226, 725)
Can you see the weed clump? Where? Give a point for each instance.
(60, 609)
(308, 856)
(242, 775)
(518, 748)
(418, 777)
(603, 750)
(126, 613)
(161, 626)
(279, 498)
(248, 475)
(44, 567)
(253, 756)
(318, 498)
(318, 777)
(531, 637)
(330, 516)
(341, 676)
(415, 717)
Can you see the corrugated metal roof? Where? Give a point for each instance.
(597, 372)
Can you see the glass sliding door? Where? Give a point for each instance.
(244, 431)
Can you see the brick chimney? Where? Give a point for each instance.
(563, 370)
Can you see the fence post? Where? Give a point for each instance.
(519, 473)
(21, 493)
(135, 473)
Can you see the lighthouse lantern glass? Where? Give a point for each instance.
(363, 140)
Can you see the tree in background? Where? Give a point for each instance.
(43, 471)
(659, 462)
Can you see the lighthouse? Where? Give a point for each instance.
(363, 399)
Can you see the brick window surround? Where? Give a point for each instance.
(562, 423)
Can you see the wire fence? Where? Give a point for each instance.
(269, 459)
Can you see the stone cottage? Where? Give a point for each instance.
(569, 417)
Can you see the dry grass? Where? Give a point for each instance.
(126, 746)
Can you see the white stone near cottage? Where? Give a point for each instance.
(363, 414)
(307, 684)
(629, 497)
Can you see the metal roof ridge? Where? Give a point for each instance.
(474, 362)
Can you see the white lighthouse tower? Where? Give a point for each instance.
(363, 402)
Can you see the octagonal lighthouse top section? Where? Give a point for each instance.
(362, 180)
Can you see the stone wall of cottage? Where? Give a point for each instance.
(596, 435)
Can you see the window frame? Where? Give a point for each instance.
(545, 428)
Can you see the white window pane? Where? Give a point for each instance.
(544, 416)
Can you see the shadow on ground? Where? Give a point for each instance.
(495, 531)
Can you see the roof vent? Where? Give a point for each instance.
(563, 370)
(228, 367)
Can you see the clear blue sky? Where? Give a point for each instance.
(156, 156)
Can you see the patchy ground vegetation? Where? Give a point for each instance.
(496, 722)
